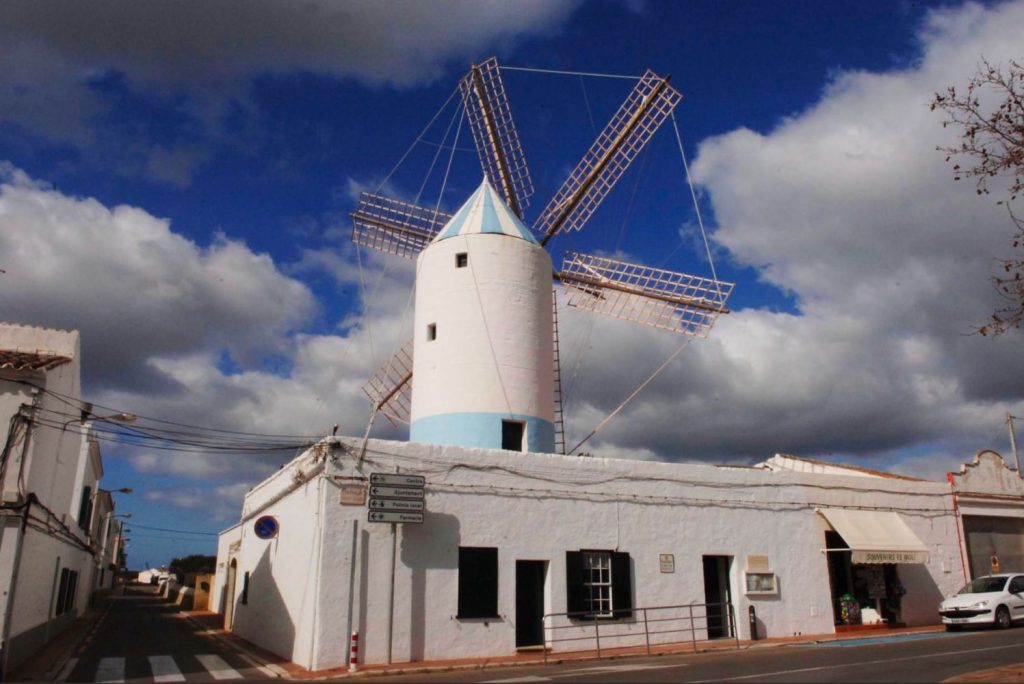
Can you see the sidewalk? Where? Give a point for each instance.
(213, 623)
(46, 664)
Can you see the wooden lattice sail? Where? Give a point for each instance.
(495, 135)
(646, 107)
(646, 295)
(394, 227)
(390, 388)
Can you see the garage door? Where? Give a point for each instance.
(999, 537)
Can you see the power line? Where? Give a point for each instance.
(133, 525)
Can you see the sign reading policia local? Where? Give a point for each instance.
(396, 498)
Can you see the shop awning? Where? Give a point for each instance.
(876, 536)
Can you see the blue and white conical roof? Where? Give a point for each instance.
(485, 212)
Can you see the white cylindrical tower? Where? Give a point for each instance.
(483, 360)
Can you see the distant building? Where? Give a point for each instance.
(525, 550)
(988, 496)
(54, 516)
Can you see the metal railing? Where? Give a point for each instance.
(655, 621)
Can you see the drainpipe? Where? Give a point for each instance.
(958, 522)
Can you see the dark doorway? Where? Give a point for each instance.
(530, 603)
(840, 575)
(717, 596)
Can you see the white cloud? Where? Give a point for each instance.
(137, 290)
(210, 51)
(221, 504)
(849, 208)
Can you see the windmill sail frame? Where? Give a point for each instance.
(393, 226)
(390, 388)
(646, 107)
(495, 135)
(668, 300)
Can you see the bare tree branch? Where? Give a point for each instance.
(990, 117)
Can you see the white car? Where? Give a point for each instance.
(995, 600)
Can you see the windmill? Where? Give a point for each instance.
(484, 351)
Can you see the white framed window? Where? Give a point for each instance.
(597, 583)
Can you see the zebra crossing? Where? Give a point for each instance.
(159, 668)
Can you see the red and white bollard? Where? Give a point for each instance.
(353, 658)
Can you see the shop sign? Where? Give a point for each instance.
(861, 556)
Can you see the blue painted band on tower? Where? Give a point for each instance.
(481, 430)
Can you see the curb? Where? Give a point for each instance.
(485, 665)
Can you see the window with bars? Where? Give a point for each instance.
(598, 585)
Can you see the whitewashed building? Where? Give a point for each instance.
(50, 472)
(510, 547)
(509, 538)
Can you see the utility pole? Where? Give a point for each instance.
(1013, 442)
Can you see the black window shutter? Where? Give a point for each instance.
(478, 582)
(575, 601)
(85, 508)
(69, 604)
(62, 591)
(622, 586)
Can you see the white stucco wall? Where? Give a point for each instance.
(493, 351)
(537, 507)
(53, 465)
(281, 611)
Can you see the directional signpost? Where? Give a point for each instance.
(396, 498)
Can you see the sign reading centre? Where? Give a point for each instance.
(396, 498)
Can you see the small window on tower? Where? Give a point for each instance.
(512, 432)
(431, 332)
(461, 260)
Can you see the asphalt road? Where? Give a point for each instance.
(931, 657)
(143, 638)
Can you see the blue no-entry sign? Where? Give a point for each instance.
(266, 527)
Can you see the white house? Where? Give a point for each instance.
(510, 542)
(50, 471)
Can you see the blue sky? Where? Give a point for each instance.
(176, 184)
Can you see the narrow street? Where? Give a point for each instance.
(143, 638)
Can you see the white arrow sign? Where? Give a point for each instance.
(396, 492)
(396, 505)
(393, 517)
(398, 480)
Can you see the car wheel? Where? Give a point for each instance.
(952, 628)
(1002, 617)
